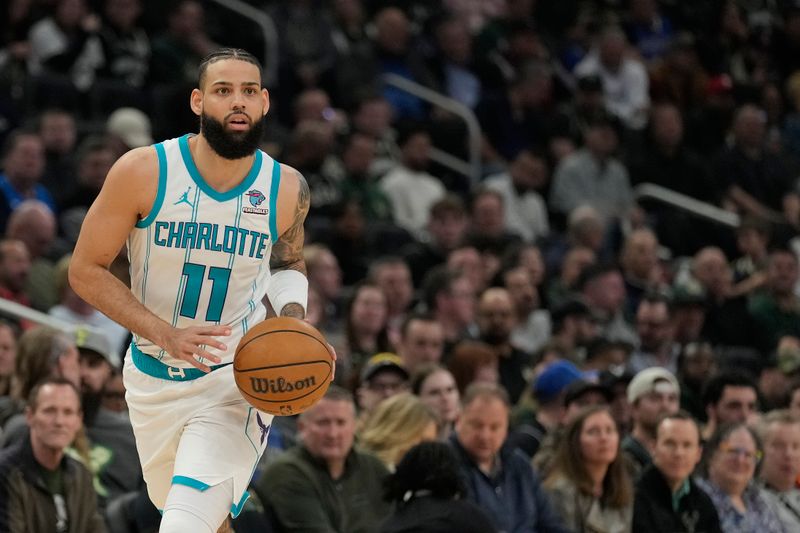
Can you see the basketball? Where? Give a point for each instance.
(283, 366)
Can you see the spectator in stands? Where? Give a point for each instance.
(533, 324)
(574, 327)
(437, 389)
(373, 116)
(394, 426)
(126, 45)
(575, 260)
(34, 224)
(603, 289)
(728, 321)
(447, 225)
(59, 135)
(593, 176)
(654, 328)
(411, 190)
(8, 357)
(382, 377)
(489, 224)
(324, 273)
(777, 307)
(358, 156)
(680, 79)
(606, 356)
(625, 80)
(473, 361)
(310, 150)
(396, 54)
(688, 312)
(23, 167)
(778, 471)
(641, 269)
(695, 366)
(365, 327)
(177, 52)
(450, 298)
(468, 259)
(325, 483)
(94, 159)
(428, 495)
(355, 67)
(587, 481)
(15, 264)
(754, 181)
(524, 208)
(66, 43)
(72, 309)
(730, 397)
(652, 394)
(496, 321)
(392, 275)
(499, 480)
(530, 426)
(453, 65)
(667, 499)
(421, 341)
(574, 114)
(730, 458)
(649, 30)
(128, 128)
(41, 487)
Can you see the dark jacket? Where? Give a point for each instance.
(653, 511)
(512, 497)
(27, 506)
(427, 514)
(300, 493)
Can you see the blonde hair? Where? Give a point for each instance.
(395, 426)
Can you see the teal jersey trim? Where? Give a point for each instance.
(153, 367)
(273, 200)
(162, 187)
(190, 482)
(236, 509)
(240, 189)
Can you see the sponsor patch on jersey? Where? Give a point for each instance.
(256, 198)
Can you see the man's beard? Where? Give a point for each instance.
(231, 145)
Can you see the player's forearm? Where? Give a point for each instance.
(109, 295)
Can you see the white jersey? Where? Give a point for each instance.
(201, 257)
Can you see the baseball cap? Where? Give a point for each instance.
(579, 387)
(380, 362)
(130, 125)
(92, 340)
(554, 379)
(645, 382)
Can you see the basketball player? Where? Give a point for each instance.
(212, 224)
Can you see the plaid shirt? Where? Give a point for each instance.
(758, 517)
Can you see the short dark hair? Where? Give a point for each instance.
(222, 54)
(430, 466)
(593, 272)
(715, 386)
(437, 280)
(33, 396)
(411, 317)
(680, 415)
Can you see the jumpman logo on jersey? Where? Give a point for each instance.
(184, 199)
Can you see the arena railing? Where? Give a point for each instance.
(470, 168)
(678, 200)
(269, 31)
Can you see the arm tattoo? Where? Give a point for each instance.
(287, 252)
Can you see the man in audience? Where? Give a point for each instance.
(652, 394)
(450, 298)
(421, 341)
(41, 487)
(777, 308)
(654, 327)
(574, 327)
(15, 264)
(667, 500)
(33, 223)
(780, 466)
(392, 275)
(603, 290)
(499, 480)
(324, 483)
(23, 167)
(730, 396)
(382, 377)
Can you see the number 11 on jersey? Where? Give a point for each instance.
(195, 276)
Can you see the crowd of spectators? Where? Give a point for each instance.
(538, 348)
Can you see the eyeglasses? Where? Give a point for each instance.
(733, 452)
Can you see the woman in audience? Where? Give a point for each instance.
(397, 424)
(437, 389)
(473, 361)
(588, 482)
(366, 318)
(426, 489)
(730, 458)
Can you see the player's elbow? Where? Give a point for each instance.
(78, 276)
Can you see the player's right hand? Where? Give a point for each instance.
(190, 344)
